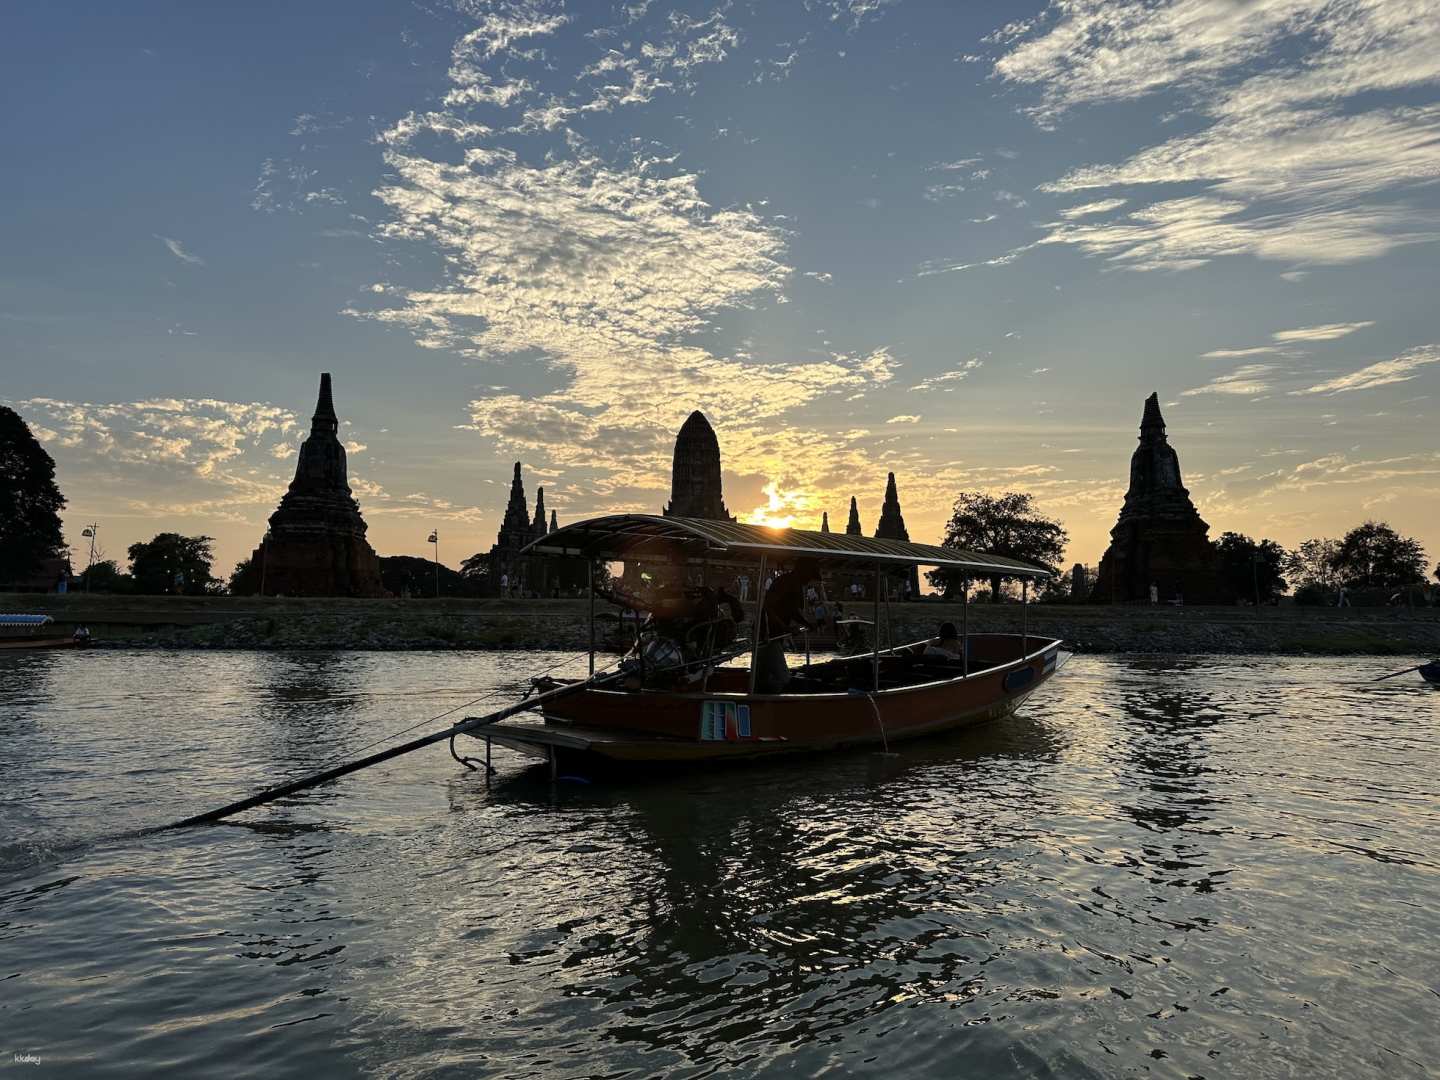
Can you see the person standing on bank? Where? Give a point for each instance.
(782, 612)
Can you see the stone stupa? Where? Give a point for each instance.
(316, 545)
(1160, 538)
(892, 527)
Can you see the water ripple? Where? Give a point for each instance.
(1211, 866)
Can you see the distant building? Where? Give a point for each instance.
(892, 527)
(316, 545)
(1160, 539)
(825, 522)
(1079, 583)
(852, 527)
(695, 473)
(525, 575)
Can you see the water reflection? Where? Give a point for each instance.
(720, 900)
(1190, 868)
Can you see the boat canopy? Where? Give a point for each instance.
(648, 536)
(25, 620)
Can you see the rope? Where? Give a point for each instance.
(464, 705)
(884, 741)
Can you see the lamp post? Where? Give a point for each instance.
(435, 539)
(90, 530)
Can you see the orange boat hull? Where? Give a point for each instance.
(725, 722)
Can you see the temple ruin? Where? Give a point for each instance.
(695, 473)
(513, 574)
(892, 527)
(316, 545)
(1160, 539)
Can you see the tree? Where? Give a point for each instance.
(476, 572)
(244, 579)
(410, 575)
(171, 563)
(1374, 555)
(30, 503)
(1251, 570)
(105, 576)
(1006, 525)
(1312, 566)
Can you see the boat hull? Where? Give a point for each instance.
(38, 643)
(726, 723)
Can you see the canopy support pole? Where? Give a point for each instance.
(590, 588)
(1024, 617)
(755, 631)
(875, 625)
(965, 622)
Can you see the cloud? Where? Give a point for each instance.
(1100, 206)
(1328, 332)
(1228, 354)
(947, 380)
(179, 252)
(1248, 380)
(1402, 368)
(195, 457)
(904, 419)
(1286, 138)
(599, 275)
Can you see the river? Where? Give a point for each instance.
(1215, 866)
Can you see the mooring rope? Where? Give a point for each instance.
(463, 705)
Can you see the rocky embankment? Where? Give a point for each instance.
(277, 623)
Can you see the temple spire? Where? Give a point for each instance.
(554, 522)
(325, 418)
(695, 473)
(892, 521)
(852, 527)
(1152, 420)
(539, 523)
(516, 524)
(825, 522)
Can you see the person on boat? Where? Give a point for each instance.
(946, 646)
(782, 613)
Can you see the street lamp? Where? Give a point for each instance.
(90, 530)
(435, 539)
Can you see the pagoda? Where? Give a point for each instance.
(892, 527)
(1160, 540)
(316, 544)
(523, 575)
(695, 473)
(852, 527)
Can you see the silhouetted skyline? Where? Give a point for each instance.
(954, 242)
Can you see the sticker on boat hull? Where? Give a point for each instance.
(724, 721)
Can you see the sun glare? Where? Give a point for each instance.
(778, 511)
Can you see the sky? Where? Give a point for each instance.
(959, 242)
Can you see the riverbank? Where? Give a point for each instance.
(225, 622)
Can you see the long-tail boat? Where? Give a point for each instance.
(33, 632)
(706, 711)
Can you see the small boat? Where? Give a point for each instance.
(1430, 672)
(709, 712)
(29, 632)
